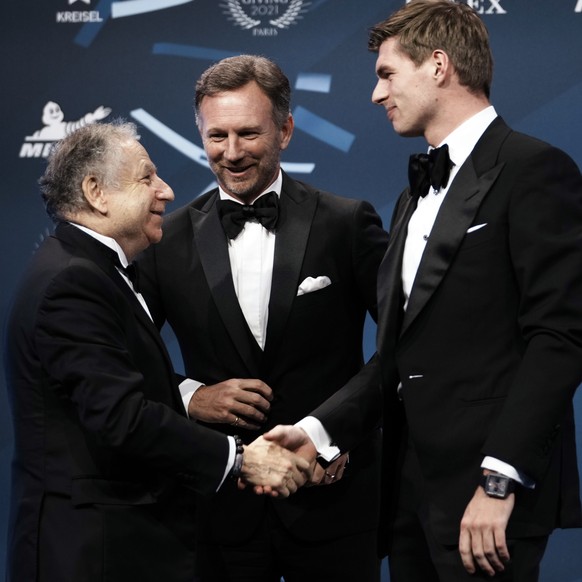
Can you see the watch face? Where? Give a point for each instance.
(497, 486)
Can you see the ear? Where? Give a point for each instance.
(94, 194)
(287, 132)
(441, 65)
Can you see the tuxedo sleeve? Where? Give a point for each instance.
(355, 409)
(92, 348)
(545, 244)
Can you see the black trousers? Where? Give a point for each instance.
(273, 553)
(416, 556)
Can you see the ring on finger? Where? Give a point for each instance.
(236, 420)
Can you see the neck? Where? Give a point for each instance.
(453, 115)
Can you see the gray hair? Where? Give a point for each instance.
(92, 150)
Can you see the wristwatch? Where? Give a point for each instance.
(497, 485)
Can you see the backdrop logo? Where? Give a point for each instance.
(487, 6)
(38, 145)
(578, 6)
(76, 16)
(264, 17)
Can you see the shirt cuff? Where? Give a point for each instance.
(230, 462)
(188, 388)
(498, 466)
(320, 438)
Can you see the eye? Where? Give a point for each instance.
(217, 137)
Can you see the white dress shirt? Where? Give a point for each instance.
(252, 254)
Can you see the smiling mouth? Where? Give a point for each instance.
(237, 171)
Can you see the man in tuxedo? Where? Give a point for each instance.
(480, 314)
(269, 315)
(106, 462)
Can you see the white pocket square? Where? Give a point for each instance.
(310, 285)
(476, 227)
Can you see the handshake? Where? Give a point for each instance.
(278, 462)
(284, 459)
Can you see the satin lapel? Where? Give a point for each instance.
(212, 247)
(92, 249)
(390, 276)
(454, 218)
(144, 319)
(296, 215)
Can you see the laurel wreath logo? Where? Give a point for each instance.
(292, 14)
(236, 13)
(239, 15)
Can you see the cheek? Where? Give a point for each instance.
(213, 151)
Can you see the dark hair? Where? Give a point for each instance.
(423, 26)
(235, 72)
(91, 150)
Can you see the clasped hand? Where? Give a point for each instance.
(272, 469)
(291, 444)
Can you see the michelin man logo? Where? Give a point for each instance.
(256, 14)
(56, 128)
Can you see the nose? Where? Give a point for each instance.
(380, 93)
(232, 149)
(163, 191)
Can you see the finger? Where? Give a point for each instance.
(330, 477)
(252, 401)
(501, 547)
(249, 412)
(465, 551)
(239, 422)
(480, 554)
(284, 435)
(318, 475)
(258, 387)
(340, 471)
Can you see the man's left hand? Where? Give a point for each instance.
(482, 539)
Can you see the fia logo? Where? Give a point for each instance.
(264, 17)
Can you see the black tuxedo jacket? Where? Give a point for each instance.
(313, 343)
(489, 350)
(103, 448)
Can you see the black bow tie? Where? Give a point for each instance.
(264, 210)
(429, 169)
(131, 272)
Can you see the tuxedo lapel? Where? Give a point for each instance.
(390, 275)
(456, 215)
(212, 247)
(99, 254)
(297, 208)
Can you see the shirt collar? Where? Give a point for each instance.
(463, 139)
(107, 241)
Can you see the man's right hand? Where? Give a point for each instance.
(242, 403)
(272, 469)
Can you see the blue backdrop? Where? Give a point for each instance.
(68, 62)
